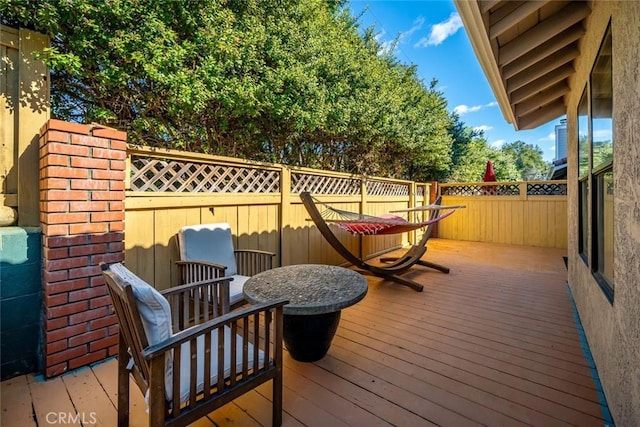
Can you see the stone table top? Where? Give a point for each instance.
(310, 288)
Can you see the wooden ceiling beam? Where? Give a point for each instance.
(573, 13)
(486, 5)
(545, 50)
(541, 83)
(543, 115)
(541, 68)
(545, 97)
(515, 17)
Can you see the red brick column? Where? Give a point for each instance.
(82, 172)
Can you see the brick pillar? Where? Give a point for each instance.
(82, 173)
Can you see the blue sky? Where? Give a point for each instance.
(432, 37)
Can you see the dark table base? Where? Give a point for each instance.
(308, 337)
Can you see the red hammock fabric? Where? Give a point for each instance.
(393, 225)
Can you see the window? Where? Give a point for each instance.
(595, 170)
(583, 176)
(602, 165)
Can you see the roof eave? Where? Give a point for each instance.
(472, 19)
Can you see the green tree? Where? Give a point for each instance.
(291, 81)
(528, 160)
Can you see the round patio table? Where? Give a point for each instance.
(316, 293)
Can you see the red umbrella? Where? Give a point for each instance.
(489, 174)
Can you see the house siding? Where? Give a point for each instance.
(612, 328)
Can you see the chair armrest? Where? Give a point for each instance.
(194, 285)
(194, 332)
(256, 251)
(251, 262)
(198, 271)
(205, 264)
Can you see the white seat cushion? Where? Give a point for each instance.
(185, 362)
(235, 288)
(209, 243)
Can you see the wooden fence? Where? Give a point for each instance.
(168, 189)
(24, 109)
(532, 213)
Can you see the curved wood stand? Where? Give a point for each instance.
(395, 266)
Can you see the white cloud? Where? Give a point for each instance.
(463, 109)
(550, 137)
(498, 143)
(482, 128)
(388, 47)
(417, 25)
(602, 134)
(441, 31)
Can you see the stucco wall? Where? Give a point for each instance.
(613, 330)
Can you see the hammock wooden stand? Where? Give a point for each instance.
(395, 266)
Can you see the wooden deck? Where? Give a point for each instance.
(493, 343)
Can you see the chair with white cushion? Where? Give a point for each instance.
(207, 251)
(163, 338)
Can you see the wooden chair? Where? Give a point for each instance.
(186, 352)
(207, 252)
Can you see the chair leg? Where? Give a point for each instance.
(123, 384)
(277, 400)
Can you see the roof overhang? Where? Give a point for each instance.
(527, 51)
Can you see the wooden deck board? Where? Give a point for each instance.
(51, 402)
(87, 394)
(16, 402)
(492, 343)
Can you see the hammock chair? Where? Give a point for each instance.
(360, 224)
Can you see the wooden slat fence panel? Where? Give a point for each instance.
(534, 215)
(169, 189)
(24, 109)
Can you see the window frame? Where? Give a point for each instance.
(591, 242)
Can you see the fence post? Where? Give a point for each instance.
(285, 216)
(412, 215)
(82, 175)
(523, 190)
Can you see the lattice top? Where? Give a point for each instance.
(318, 184)
(547, 189)
(384, 188)
(165, 175)
(481, 190)
(507, 189)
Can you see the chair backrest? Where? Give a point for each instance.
(143, 313)
(210, 243)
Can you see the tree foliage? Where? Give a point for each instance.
(289, 81)
(527, 159)
(514, 161)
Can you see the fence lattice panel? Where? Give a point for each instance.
(317, 184)
(166, 175)
(547, 189)
(481, 190)
(385, 188)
